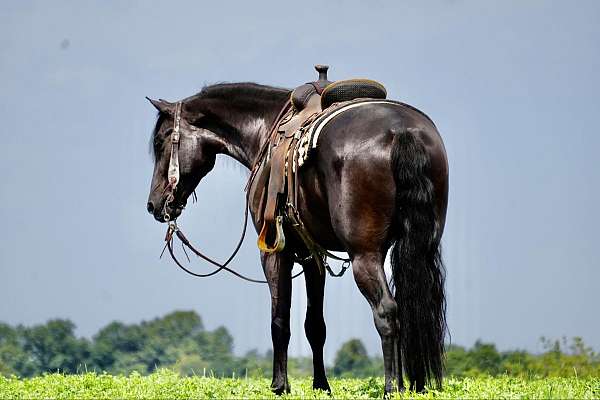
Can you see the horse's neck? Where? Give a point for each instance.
(252, 133)
(249, 130)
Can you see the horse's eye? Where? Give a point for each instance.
(157, 143)
(160, 139)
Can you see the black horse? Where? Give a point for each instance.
(377, 179)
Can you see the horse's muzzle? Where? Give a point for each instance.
(167, 214)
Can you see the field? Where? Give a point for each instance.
(165, 384)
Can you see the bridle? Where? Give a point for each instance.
(173, 171)
(173, 176)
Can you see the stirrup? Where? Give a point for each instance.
(279, 237)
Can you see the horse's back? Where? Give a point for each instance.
(372, 120)
(366, 133)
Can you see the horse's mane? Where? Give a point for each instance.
(159, 120)
(241, 90)
(249, 93)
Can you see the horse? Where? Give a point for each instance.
(378, 179)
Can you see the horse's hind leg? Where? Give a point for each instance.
(370, 278)
(278, 268)
(314, 325)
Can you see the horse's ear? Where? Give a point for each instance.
(161, 105)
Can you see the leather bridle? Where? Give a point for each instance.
(173, 171)
(173, 176)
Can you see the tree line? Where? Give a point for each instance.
(179, 341)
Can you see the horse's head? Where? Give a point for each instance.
(184, 154)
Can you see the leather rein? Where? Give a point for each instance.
(173, 176)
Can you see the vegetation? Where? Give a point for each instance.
(163, 384)
(179, 342)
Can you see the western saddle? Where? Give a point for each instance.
(273, 184)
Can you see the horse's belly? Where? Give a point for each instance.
(314, 210)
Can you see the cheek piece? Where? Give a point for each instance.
(173, 171)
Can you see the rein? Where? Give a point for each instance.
(172, 229)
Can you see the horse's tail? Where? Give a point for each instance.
(418, 270)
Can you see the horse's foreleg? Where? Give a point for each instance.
(314, 325)
(370, 278)
(278, 268)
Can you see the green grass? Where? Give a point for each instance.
(165, 384)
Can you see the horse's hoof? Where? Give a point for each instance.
(388, 391)
(280, 388)
(322, 385)
(419, 390)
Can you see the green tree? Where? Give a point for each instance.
(167, 338)
(216, 348)
(485, 358)
(578, 360)
(13, 358)
(53, 347)
(457, 360)
(115, 348)
(517, 363)
(351, 359)
(254, 364)
(161, 342)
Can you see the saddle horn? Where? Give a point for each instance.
(322, 70)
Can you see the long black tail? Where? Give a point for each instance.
(418, 270)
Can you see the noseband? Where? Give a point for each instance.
(173, 171)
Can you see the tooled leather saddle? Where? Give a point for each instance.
(273, 184)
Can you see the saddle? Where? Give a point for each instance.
(273, 184)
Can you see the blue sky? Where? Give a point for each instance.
(512, 86)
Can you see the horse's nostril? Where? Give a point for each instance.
(150, 207)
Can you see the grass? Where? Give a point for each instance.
(165, 384)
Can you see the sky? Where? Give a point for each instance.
(512, 86)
